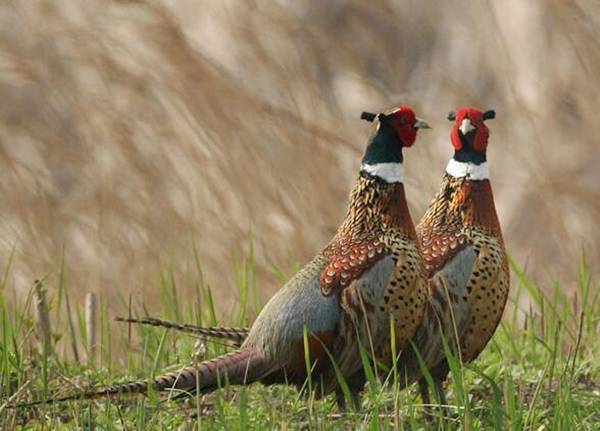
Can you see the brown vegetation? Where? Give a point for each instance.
(130, 129)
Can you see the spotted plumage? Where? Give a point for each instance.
(349, 258)
(343, 298)
(378, 226)
(380, 229)
(462, 210)
(465, 210)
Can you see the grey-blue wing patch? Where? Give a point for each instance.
(457, 271)
(298, 304)
(450, 288)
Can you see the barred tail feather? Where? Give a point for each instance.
(237, 368)
(238, 335)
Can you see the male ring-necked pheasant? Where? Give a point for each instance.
(371, 270)
(461, 216)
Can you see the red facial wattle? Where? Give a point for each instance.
(404, 124)
(482, 133)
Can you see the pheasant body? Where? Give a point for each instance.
(461, 219)
(465, 209)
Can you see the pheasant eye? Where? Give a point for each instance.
(402, 121)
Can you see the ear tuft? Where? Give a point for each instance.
(368, 116)
(384, 117)
(490, 114)
(451, 116)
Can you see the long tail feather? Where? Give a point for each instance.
(237, 368)
(237, 335)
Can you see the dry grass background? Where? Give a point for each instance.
(129, 129)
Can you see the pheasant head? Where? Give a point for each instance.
(395, 130)
(469, 136)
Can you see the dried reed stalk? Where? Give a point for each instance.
(43, 315)
(91, 323)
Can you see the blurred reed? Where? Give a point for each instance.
(130, 130)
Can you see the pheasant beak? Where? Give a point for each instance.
(466, 126)
(421, 124)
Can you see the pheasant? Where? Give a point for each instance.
(462, 216)
(370, 272)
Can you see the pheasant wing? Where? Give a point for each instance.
(349, 258)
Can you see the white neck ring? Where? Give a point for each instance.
(389, 172)
(468, 170)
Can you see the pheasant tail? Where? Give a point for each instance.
(239, 367)
(237, 335)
